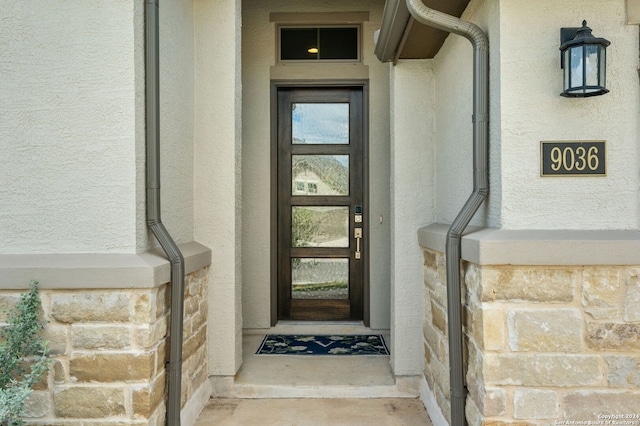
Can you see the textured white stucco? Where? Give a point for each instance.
(258, 45)
(67, 126)
(453, 71)
(532, 111)
(177, 98)
(412, 205)
(525, 108)
(72, 121)
(217, 192)
(379, 177)
(258, 56)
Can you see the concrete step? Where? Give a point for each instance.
(314, 412)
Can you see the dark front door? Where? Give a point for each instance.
(321, 205)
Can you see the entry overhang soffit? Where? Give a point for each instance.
(402, 37)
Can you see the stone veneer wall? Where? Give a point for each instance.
(109, 349)
(543, 343)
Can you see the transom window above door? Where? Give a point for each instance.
(326, 43)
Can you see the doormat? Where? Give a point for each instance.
(284, 344)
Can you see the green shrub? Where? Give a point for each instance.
(23, 356)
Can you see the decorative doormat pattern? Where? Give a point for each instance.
(284, 344)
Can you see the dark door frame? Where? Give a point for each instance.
(275, 85)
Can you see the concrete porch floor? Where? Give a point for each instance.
(314, 390)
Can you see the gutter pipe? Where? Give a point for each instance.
(480, 42)
(154, 222)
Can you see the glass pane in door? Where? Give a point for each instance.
(319, 175)
(315, 226)
(320, 123)
(317, 278)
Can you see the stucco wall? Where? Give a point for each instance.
(217, 173)
(258, 56)
(453, 71)
(431, 172)
(258, 47)
(177, 98)
(67, 125)
(525, 108)
(533, 111)
(412, 204)
(73, 126)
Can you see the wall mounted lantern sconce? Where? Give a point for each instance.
(584, 60)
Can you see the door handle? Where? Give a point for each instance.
(357, 233)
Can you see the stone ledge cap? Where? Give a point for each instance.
(97, 270)
(493, 246)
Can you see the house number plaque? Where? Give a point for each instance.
(573, 158)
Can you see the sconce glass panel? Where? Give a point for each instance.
(603, 65)
(567, 69)
(575, 65)
(592, 70)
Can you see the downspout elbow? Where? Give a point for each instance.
(448, 23)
